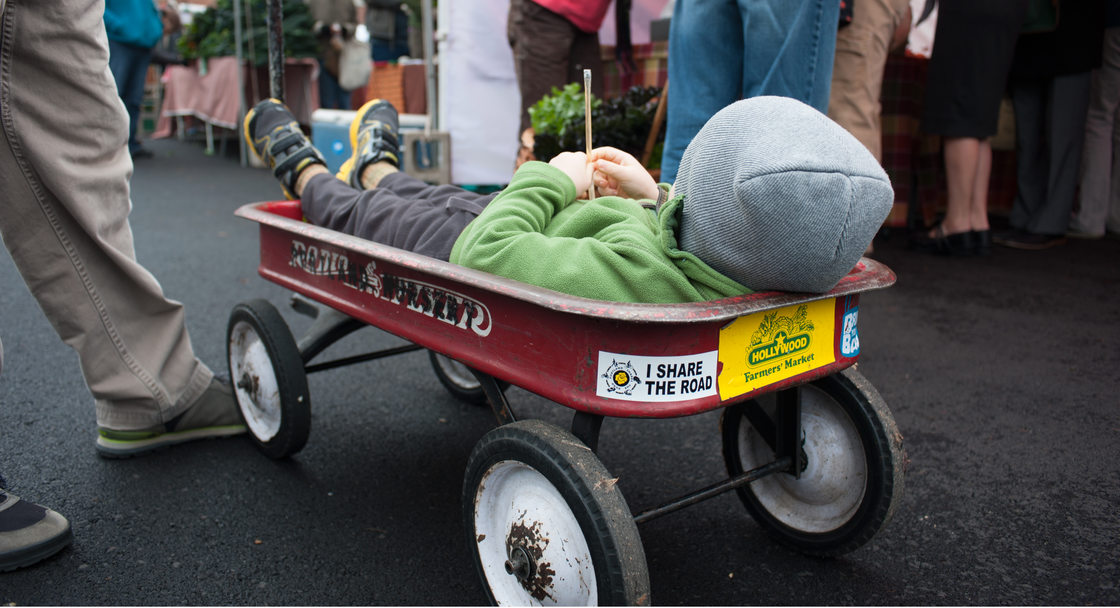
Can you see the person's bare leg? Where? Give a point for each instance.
(978, 208)
(961, 167)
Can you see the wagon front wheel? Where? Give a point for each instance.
(268, 377)
(853, 459)
(546, 523)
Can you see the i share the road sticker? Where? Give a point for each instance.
(638, 378)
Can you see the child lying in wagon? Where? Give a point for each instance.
(770, 195)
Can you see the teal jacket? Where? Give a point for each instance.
(133, 22)
(610, 248)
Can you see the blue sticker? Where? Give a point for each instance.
(849, 340)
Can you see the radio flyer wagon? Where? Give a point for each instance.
(810, 447)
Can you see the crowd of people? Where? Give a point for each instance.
(1059, 74)
(747, 142)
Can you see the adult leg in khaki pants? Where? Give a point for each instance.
(857, 73)
(65, 170)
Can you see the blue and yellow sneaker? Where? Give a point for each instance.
(276, 138)
(374, 137)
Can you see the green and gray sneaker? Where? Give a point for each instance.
(29, 533)
(374, 137)
(276, 139)
(214, 414)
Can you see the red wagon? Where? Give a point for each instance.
(810, 446)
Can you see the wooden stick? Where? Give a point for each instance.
(655, 130)
(587, 121)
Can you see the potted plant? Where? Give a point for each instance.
(624, 123)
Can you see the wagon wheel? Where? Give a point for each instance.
(459, 380)
(269, 380)
(547, 524)
(852, 478)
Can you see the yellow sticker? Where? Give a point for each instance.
(770, 346)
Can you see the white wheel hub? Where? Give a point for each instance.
(831, 488)
(530, 544)
(254, 381)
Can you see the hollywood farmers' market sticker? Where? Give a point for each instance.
(770, 346)
(638, 378)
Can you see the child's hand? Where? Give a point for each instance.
(575, 166)
(620, 174)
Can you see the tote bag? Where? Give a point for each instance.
(354, 65)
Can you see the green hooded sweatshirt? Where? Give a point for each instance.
(610, 248)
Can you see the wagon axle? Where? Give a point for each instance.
(521, 565)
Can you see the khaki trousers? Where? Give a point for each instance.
(64, 205)
(857, 72)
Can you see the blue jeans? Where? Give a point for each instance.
(392, 49)
(721, 51)
(331, 94)
(129, 65)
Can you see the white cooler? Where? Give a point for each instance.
(426, 156)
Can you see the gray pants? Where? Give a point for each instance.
(1049, 135)
(402, 212)
(64, 174)
(1100, 160)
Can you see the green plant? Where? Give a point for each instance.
(623, 122)
(558, 121)
(210, 33)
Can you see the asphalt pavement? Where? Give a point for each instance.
(1001, 373)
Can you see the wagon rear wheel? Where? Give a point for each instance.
(269, 380)
(852, 478)
(546, 523)
(459, 380)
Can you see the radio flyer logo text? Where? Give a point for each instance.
(429, 300)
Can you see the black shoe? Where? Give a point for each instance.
(29, 533)
(982, 242)
(958, 244)
(1021, 239)
(140, 153)
(275, 137)
(374, 137)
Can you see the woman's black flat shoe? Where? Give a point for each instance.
(958, 244)
(982, 242)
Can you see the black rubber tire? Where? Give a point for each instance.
(262, 319)
(881, 443)
(458, 379)
(621, 573)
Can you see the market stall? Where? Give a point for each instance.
(205, 92)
